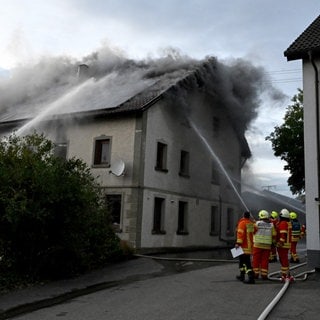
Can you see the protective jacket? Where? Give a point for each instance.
(284, 234)
(298, 230)
(245, 230)
(264, 234)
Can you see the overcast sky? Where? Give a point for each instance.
(257, 30)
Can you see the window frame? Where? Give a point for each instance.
(158, 215)
(98, 150)
(115, 224)
(182, 223)
(184, 167)
(161, 156)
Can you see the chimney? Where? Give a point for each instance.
(83, 72)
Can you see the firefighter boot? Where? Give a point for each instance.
(250, 279)
(241, 276)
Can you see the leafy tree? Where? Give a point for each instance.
(53, 222)
(288, 143)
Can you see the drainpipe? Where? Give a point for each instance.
(316, 83)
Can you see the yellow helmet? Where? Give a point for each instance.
(293, 215)
(274, 214)
(263, 214)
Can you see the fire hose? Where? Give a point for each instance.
(301, 276)
(271, 276)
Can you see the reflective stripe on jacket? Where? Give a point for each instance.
(264, 235)
(245, 230)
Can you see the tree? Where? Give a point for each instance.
(53, 222)
(288, 143)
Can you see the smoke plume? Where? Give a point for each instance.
(113, 78)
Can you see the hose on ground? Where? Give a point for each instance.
(184, 259)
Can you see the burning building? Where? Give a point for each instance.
(165, 139)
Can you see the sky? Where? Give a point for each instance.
(256, 30)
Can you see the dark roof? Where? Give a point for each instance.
(308, 41)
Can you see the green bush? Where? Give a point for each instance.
(53, 222)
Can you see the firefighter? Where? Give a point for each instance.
(264, 236)
(298, 232)
(283, 243)
(273, 251)
(245, 228)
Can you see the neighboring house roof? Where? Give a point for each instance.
(272, 201)
(308, 41)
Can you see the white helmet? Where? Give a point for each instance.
(284, 213)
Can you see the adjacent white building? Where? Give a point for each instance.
(154, 154)
(307, 48)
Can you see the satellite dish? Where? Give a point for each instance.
(117, 168)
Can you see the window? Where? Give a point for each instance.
(158, 216)
(215, 126)
(113, 203)
(230, 226)
(161, 163)
(184, 163)
(182, 218)
(214, 220)
(214, 173)
(102, 150)
(60, 150)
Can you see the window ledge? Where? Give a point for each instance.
(182, 233)
(158, 232)
(161, 169)
(184, 175)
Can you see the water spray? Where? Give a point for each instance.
(216, 158)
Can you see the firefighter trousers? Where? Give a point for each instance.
(260, 262)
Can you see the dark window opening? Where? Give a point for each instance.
(230, 225)
(214, 221)
(161, 162)
(182, 218)
(113, 202)
(214, 173)
(158, 216)
(60, 150)
(102, 152)
(184, 163)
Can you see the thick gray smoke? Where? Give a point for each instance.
(53, 85)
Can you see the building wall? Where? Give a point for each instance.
(167, 124)
(311, 172)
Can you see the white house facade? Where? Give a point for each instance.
(307, 48)
(162, 184)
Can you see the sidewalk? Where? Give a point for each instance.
(302, 298)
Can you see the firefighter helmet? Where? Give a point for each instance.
(274, 214)
(263, 214)
(293, 215)
(284, 213)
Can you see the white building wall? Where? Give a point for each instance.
(166, 125)
(311, 172)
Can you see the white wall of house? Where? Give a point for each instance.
(311, 171)
(166, 125)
